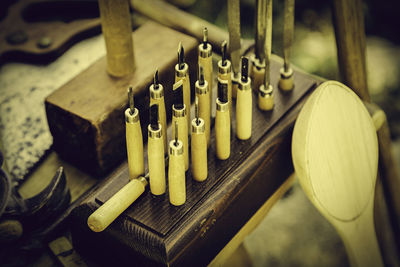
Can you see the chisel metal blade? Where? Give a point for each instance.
(268, 43)
(234, 33)
(288, 32)
(260, 29)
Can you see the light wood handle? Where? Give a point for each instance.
(134, 146)
(223, 132)
(286, 80)
(359, 238)
(176, 177)
(156, 159)
(117, 31)
(243, 114)
(183, 136)
(112, 208)
(199, 155)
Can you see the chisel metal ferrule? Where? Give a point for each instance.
(198, 128)
(131, 118)
(224, 69)
(259, 65)
(207, 52)
(175, 147)
(156, 93)
(202, 89)
(221, 106)
(155, 133)
(244, 86)
(265, 91)
(286, 74)
(179, 112)
(181, 72)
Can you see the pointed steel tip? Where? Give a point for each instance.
(223, 52)
(181, 56)
(131, 100)
(155, 80)
(176, 133)
(205, 36)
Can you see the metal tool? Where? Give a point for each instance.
(134, 138)
(234, 41)
(225, 72)
(155, 153)
(198, 146)
(179, 116)
(244, 103)
(182, 73)
(176, 170)
(222, 122)
(204, 104)
(157, 97)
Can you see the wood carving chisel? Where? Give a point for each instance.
(176, 170)
(198, 146)
(258, 58)
(265, 92)
(205, 61)
(244, 103)
(202, 93)
(182, 73)
(225, 72)
(118, 203)
(179, 115)
(286, 79)
(134, 139)
(155, 153)
(234, 41)
(157, 97)
(222, 122)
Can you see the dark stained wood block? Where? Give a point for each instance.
(86, 115)
(154, 232)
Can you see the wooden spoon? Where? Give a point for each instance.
(335, 155)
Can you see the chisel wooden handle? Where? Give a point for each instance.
(176, 173)
(244, 103)
(156, 161)
(223, 130)
(112, 208)
(199, 150)
(134, 144)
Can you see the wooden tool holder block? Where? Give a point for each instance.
(86, 115)
(154, 232)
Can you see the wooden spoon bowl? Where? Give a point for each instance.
(335, 155)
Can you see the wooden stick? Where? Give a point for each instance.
(173, 17)
(117, 31)
(350, 40)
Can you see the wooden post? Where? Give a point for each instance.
(350, 40)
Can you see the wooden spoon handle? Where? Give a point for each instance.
(359, 238)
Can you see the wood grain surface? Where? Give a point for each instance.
(153, 231)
